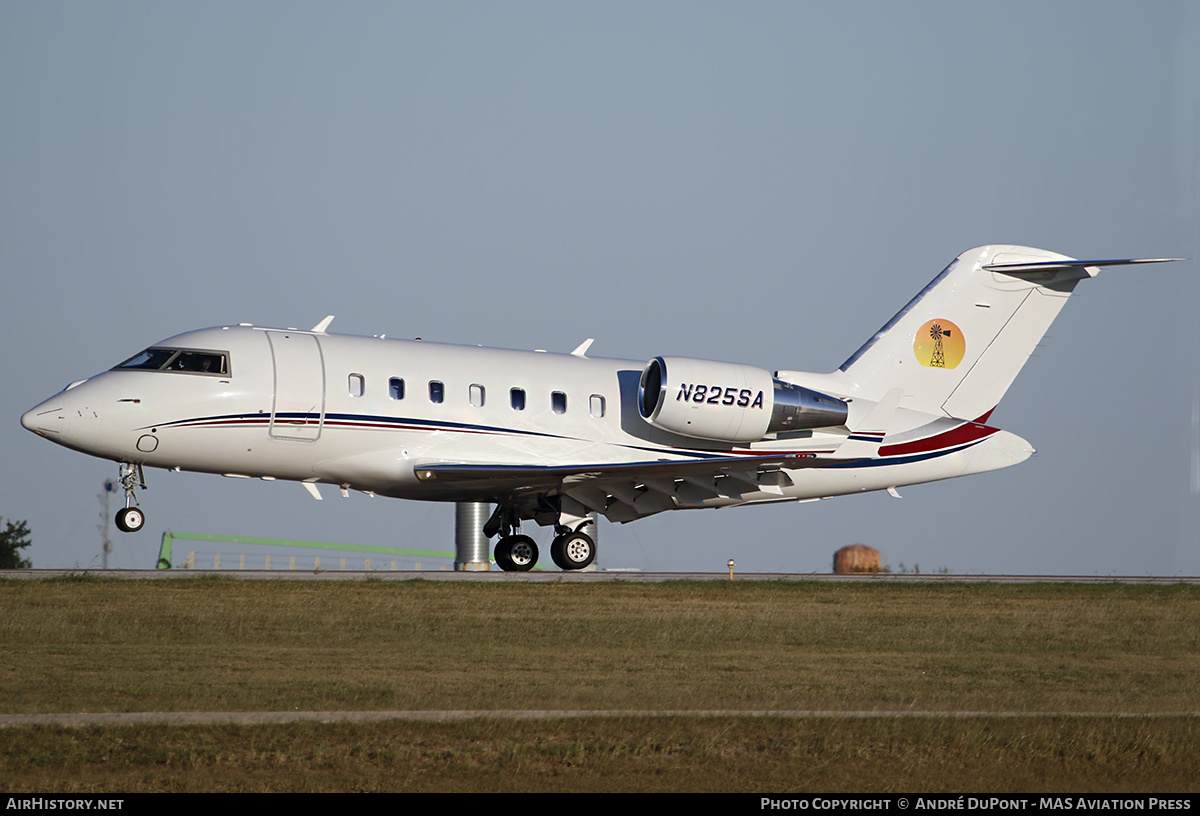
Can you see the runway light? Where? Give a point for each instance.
(730, 569)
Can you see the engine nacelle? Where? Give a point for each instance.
(729, 402)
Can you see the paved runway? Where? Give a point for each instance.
(554, 576)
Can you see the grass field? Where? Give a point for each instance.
(230, 645)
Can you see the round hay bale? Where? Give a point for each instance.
(856, 558)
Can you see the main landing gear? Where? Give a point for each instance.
(571, 549)
(130, 519)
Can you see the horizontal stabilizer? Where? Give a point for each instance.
(1049, 266)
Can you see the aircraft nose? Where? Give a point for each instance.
(48, 418)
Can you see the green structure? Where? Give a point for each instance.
(168, 539)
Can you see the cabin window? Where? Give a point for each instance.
(396, 388)
(517, 399)
(214, 363)
(477, 395)
(558, 402)
(597, 406)
(357, 385)
(437, 391)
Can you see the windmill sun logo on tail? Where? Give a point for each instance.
(939, 344)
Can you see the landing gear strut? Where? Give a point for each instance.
(130, 519)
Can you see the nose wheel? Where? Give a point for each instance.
(130, 518)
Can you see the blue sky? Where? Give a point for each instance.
(757, 182)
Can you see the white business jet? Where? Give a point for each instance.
(557, 437)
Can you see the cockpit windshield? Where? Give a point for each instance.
(187, 361)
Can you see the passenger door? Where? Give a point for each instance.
(298, 408)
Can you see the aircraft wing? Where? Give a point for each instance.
(630, 490)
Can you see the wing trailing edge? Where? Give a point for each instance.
(632, 490)
(551, 476)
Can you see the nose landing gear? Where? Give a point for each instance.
(130, 519)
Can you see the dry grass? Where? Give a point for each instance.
(720, 755)
(210, 644)
(233, 645)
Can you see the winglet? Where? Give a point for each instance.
(864, 443)
(581, 349)
(323, 325)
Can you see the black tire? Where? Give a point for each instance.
(573, 551)
(517, 553)
(556, 553)
(130, 520)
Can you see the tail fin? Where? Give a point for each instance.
(958, 345)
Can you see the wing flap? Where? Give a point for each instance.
(548, 477)
(632, 490)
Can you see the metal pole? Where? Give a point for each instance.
(470, 544)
